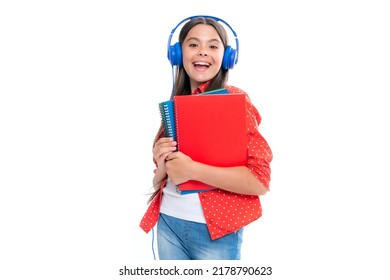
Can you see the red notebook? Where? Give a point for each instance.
(211, 129)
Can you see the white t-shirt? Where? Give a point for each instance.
(186, 207)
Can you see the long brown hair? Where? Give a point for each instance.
(182, 84)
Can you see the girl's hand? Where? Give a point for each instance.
(163, 147)
(179, 167)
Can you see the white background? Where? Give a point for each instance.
(79, 87)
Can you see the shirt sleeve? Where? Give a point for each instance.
(259, 152)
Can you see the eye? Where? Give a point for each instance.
(192, 45)
(213, 47)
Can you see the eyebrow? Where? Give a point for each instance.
(210, 41)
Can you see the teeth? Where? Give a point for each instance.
(201, 63)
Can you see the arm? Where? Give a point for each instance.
(182, 168)
(234, 179)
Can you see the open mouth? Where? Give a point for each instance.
(200, 64)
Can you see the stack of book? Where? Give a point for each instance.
(210, 128)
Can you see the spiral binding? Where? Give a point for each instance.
(168, 119)
(177, 131)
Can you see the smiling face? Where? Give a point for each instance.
(202, 54)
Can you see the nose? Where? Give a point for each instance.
(203, 51)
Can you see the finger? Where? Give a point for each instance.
(166, 145)
(162, 150)
(165, 140)
(172, 156)
(165, 156)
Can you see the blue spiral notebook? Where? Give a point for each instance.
(167, 112)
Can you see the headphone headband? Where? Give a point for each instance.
(230, 55)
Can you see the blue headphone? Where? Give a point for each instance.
(230, 56)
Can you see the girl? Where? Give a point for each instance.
(207, 225)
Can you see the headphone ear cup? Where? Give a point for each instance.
(174, 55)
(229, 58)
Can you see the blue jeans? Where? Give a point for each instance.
(179, 239)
